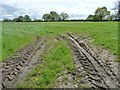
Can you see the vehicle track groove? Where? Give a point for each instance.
(21, 63)
(97, 74)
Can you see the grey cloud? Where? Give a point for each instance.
(8, 9)
(11, 11)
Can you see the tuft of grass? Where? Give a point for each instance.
(44, 76)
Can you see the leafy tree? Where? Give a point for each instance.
(37, 20)
(97, 17)
(20, 19)
(90, 17)
(27, 18)
(46, 17)
(63, 16)
(110, 17)
(15, 20)
(7, 20)
(54, 16)
(102, 13)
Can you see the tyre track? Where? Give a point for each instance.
(95, 73)
(19, 65)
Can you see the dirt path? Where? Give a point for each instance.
(92, 70)
(19, 65)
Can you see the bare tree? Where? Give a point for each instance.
(116, 9)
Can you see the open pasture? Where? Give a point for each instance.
(15, 35)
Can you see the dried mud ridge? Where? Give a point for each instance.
(93, 71)
(19, 65)
(90, 70)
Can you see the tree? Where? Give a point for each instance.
(46, 17)
(97, 17)
(20, 19)
(90, 17)
(37, 20)
(102, 13)
(27, 18)
(7, 20)
(110, 17)
(15, 20)
(116, 9)
(118, 12)
(54, 16)
(63, 16)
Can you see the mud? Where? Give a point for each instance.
(21, 63)
(91, 68)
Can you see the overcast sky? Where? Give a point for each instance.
(76, 9)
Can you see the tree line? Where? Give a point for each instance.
(100, 14)
(52, 16)
(25, 18)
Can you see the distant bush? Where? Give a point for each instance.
(7, 20)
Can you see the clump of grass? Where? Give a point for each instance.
(44, 76)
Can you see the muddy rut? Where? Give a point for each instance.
(90, 70)
(18, 66)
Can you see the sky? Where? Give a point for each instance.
(76, 9)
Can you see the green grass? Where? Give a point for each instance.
(45, 74)
(0, 41)
(15, 35)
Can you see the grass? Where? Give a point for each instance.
(17, 34)
(44, 76)
(0, 41)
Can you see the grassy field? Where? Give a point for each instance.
(17, 34)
